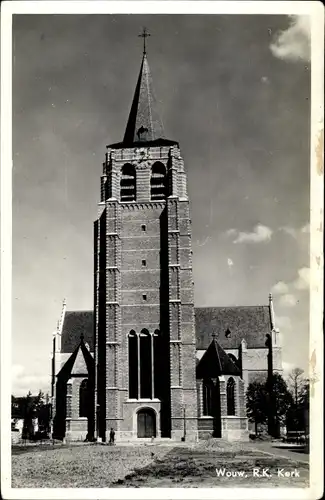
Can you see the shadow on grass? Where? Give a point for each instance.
(191, 466)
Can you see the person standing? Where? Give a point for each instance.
(112, 436)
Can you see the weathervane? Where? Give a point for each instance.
(144, 35)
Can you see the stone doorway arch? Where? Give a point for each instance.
(146, 423)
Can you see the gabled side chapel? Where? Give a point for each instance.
(145, 361)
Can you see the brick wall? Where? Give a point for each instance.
(76, 426)
(140, 239)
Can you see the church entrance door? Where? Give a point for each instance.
(146, 423)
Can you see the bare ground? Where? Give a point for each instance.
(153, 465)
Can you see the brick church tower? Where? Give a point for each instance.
(145, 382)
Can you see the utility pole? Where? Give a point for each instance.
(97, 422)
(184, 419)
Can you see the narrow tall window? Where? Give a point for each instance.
(158, 366)
(128, 183)
(145, 364)
(207, 397)
(158, 186)
(143, 352)
(133, 365)
(231, 396)
(83, 399)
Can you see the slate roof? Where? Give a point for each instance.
(75, 324)
(215, 362)
(251, 323)
(81, 352)
(143, 115)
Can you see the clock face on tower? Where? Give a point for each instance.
(144, 154)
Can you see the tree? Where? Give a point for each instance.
(299, 413)
(43, 412)
(283, 401)
(303, 406)
(298, 418)
(256, 404)
(28, 416)
(269, 398)
(31, 408)
(295, 382)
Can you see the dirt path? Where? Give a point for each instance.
(279, 451)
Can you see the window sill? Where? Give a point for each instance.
(76, 418)
(143, 400)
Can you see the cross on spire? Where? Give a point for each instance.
(144, 35)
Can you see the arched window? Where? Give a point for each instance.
(158, 366)
(128, 183)
(146, 349)
(231, 396)
(133, 365)
(84, 399)
(158, 182)
(207, 397)
(144, 362)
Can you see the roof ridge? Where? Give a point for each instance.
(216, 346)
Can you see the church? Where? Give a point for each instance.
(145, 361)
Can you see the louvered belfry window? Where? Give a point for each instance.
(128, 183)
(158, 185)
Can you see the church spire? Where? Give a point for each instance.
(144, 123)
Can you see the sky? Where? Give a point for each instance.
(233, 90)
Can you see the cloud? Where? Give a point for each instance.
(287, 292)
(287, 300)
(305, 229)
(296, 232)
(287, 367)
(303, 280)
(293, 44)
(279, 288)
(283, 322)
(289, 230)
(21, 382)
(259, 234)
(265, 80)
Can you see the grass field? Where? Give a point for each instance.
(152, 465)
